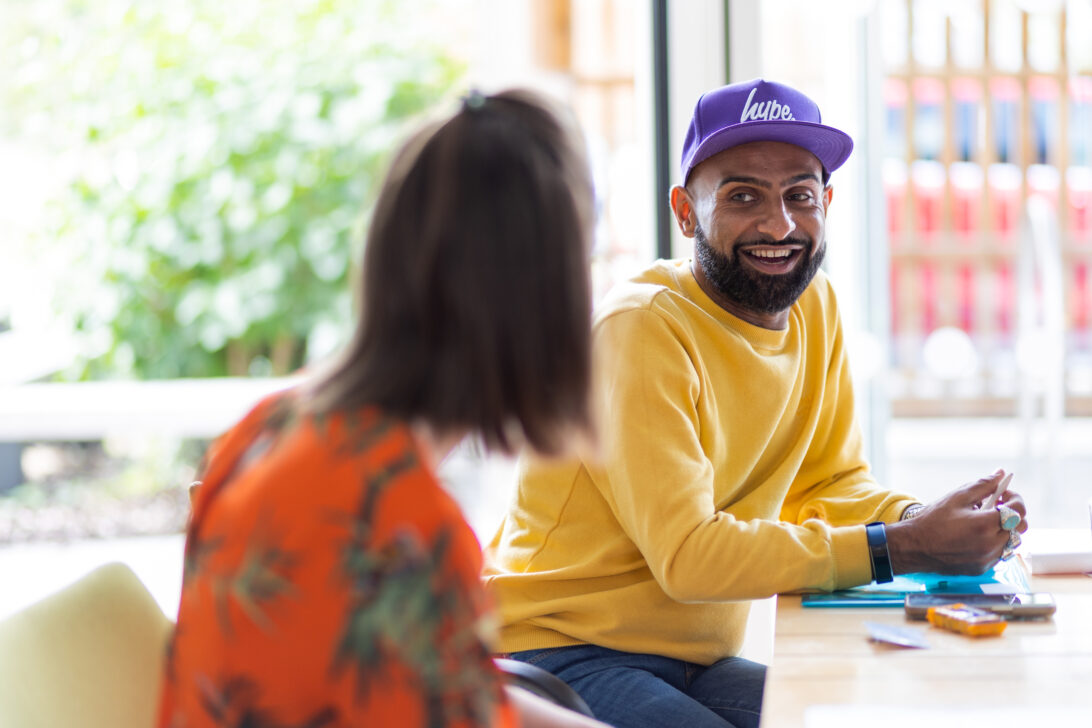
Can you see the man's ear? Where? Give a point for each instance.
(684, 210)
(828, 195)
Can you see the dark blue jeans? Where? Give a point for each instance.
(630, 690)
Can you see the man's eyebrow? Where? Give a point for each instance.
(738, 179)
(745, 181)
(806, 176)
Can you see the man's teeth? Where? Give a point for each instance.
(771, 253)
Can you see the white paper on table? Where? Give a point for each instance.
(1058, 551)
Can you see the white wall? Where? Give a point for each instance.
(696, 64)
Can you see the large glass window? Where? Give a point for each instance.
(184, 190)
(959, 234)
(987, 179)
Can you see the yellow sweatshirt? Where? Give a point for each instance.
(731, 468)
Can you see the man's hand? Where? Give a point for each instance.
(955, 535)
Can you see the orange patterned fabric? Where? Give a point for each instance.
(329, 582)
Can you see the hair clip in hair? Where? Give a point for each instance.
(474, 100)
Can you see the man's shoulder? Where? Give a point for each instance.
(644, 291)
(819, 293)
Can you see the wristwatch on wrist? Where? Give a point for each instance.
(877, 550)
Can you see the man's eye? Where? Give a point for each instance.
(743, 197)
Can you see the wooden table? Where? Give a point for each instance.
(826, 671)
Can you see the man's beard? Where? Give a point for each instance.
(750, 289)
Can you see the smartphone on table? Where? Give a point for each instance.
(1013, 606)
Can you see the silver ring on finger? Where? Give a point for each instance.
(1010, 546)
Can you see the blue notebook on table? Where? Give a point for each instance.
(1007, 577)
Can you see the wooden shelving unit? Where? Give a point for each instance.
(968, 144)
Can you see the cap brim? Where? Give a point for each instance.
(830, 145)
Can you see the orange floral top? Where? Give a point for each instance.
(329, 582)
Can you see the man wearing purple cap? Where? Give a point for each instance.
(731, 465)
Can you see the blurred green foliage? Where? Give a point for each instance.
(218, 161)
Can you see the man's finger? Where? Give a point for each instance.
(1014, 501)
(981, 489)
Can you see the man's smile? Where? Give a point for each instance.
(772, 259)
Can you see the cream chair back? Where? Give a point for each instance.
(89, 656)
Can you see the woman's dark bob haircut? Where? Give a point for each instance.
(475, 304)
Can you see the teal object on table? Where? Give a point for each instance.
(1006, 577)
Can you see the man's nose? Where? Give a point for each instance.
(776, 220)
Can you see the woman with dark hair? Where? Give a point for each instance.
(329, 579)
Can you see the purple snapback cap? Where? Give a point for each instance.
(760, 111)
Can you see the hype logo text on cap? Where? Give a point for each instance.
(760, 111)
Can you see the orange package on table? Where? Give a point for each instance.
(966, 620)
